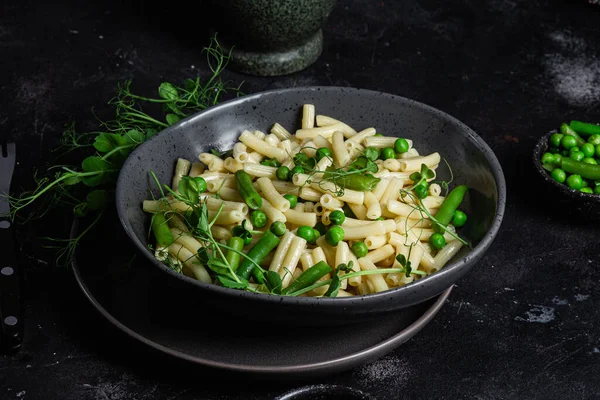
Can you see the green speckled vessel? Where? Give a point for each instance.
(271, 37)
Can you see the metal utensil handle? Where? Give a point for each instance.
(11, 308)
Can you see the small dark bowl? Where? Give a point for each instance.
(472, 161)
(563, 197)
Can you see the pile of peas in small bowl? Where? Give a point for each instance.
(573, 156)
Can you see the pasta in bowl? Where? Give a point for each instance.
(307, 209)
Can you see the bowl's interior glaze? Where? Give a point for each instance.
(471, 160)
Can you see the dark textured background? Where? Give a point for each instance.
(524, 324)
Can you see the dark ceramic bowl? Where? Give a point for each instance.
(472, 161)
(563, 197)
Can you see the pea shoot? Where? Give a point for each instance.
(106, 148)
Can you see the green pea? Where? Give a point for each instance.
(387, 153)
(401, 145)
(553, 150)
(292, 199)
(555, 139)
(590, 160)
(258, 218)
(564, 153)
(372, 153)
(547, 158)
(584, 183)
(378, 134)
(558, 175)
(380, 219)
(568, 142)
(594, 139)
(557, 159)
(586, 190)
(598, 149)
(300, 158)
(334, 235)
(574, 149)
(359, 249)
(337, 217)
(283, 173)
(437, 241)
(597, 189)
(588, 149)
(201, 184)
(297, 170)
(459, 218)
(278, 228)
(306, 233)
(575, 182)
(323, 152)
(577, 156)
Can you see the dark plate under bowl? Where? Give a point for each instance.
(562, 197)
(472, 162)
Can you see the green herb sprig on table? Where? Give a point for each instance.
(89, 186)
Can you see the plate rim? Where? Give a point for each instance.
(336, 364)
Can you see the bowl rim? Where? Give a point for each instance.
(540, 148)
(469, 258)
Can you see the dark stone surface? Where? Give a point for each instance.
(524, 324)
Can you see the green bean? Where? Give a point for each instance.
(585, 128)
(585, 170)
(233, 256)
(257, 253)
(308, 277)
(161, 230)
(247, 190)
(565, 129)
(449, 205)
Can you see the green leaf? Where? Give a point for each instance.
(150, 132)
(273, 281)
(401, 259)
(188, 188)
(167, 91)
(134, 136)
(190, 84)
(72, 180)
(231, 283)
(218, 266)
(106, 142)
(415, 176)
(94, 164)
(172, 118)
(96, 199)
(372, 167)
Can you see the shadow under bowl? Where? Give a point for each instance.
(473, 163)
(563, 198)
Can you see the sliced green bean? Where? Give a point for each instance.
(161, 230)
(448, 207)
(247, 190)
(585, 128)
(233, 255)
(257, 253)
(308, 277)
